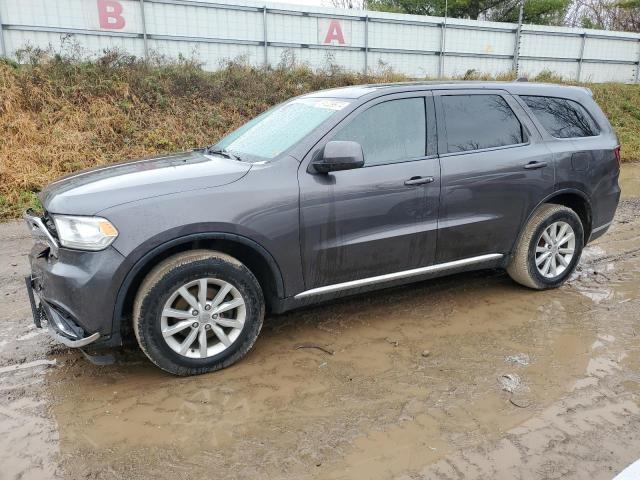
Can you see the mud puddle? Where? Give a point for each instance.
(380, 404)
(469, 376)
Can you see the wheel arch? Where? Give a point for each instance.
(577, 201)
(250, 253)
(571, 198)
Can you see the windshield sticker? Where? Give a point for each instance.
(331, 104)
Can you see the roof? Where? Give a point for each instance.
(519, 88)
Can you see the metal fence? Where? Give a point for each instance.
(418, 46)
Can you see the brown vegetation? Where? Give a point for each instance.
(59, 115)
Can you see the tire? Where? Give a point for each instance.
(532, 246)
(159, 294)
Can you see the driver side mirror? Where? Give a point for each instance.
(339, 155)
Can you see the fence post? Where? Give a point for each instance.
(516, 48)
(443, 44)
(3, 51)
(366, 44)
(144, 31)
(584, 40)
(638, 65)
(264, 36)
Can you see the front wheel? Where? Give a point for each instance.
(197, 312)
(548, 249)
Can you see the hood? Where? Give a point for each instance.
(90, 191)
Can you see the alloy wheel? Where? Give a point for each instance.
(203, 318)
(555, 249)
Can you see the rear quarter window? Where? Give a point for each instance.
(561, 117)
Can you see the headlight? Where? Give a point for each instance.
(84, 233)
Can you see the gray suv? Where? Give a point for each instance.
(329, 194)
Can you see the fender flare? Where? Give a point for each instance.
(562, 191)
(148, 257)
(546, 199)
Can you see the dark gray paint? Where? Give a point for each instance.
(365, 222)
(315, 230)
(87, 192)
(487, 194)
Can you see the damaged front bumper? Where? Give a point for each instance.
(73, 291)
(61, 327)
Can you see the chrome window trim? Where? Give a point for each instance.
(482, 150)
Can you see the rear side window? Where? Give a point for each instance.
(561, 117)
(393, 131)
(474, 122)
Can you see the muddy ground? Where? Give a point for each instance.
(468, 376)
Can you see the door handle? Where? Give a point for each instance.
(534, 165)
(418, 181)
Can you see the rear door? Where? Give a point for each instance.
(381, 218)
(495, 170)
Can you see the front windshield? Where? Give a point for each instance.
(277, 129)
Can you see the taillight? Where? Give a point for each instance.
(616, 152)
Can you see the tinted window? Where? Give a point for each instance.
(562, 118)
(393, 131)
(479, 121)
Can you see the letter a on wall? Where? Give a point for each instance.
(334, 32)
(110, 15)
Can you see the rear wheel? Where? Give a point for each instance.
(548, 249)
(198, 312)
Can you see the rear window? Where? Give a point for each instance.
(561, 117)
(474, 122)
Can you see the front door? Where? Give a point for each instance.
(381, 218)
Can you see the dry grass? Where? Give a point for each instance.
(59, 115)
(621, 104)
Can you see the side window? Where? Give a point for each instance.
(474, 122)
(561, 117)
(393, 131)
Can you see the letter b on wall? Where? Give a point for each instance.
(110, 15)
